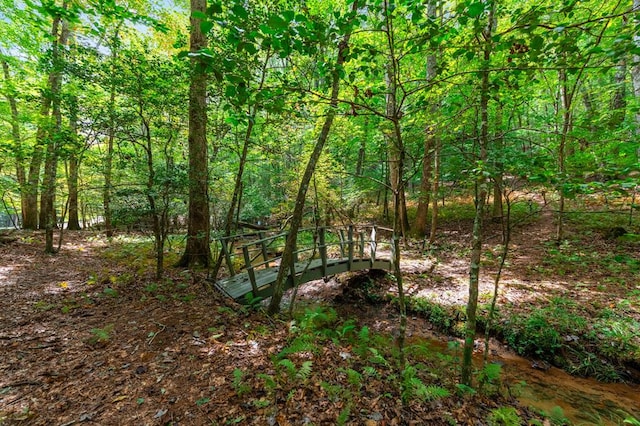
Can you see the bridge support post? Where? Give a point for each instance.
(250, 271)
(350, 246)
(322, 248)
(227, 256)
(264, 249)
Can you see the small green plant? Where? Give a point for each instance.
(414, 388)
(239, 384)
(101, 335)
(632, 421)
(343, 417)
(504, 416)
(557, 417)
(41, 305)
(111, 292)
(490, 374)
(202, 401)
(253, 301)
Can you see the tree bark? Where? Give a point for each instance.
(197, 250)
(74, 165)
(434, 192)
(635, 69)
(15, 134)
(497, 209)
(478, 223)
(60, 32)
(298, 211)
(108, 160)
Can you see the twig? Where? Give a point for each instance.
(155, 334)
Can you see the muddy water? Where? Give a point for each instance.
(583, 401)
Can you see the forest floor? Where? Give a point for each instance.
(88, 336)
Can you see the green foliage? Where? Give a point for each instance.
(238, 382)
(101, 335)
(506, 416)
(413, 387)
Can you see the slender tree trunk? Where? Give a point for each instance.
(426, 183)
(618, 100)
(362, 150)
(298, 211)
(197, 251)
(635, 69)
(108, 160)
(74, 165)
(497, 209)
(108, 166)
(420, 225)
(60, 31)
(566, 99)
(478, 223)
(434, 191)
(15, 134)
(237, 190)
(395, 144)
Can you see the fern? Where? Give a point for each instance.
(370, 371)
(304, 371)
(377, 358)
(354, 378)
(299, 344)
(289, 366)
(269, 381)
(238, 382)
(414, 388)
(507, 416)
(344, 415)
(490, 373)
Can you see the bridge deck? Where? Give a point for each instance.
(239, 285)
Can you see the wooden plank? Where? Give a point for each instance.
(240, 285)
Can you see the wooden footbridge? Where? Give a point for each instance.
(253, 260)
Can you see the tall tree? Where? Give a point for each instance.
(298, 212)
(60, 34)
(486, 46)
(197, 249)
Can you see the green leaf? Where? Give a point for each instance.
(536, 42)
(214, 9)
(475, 9)
(240, 11)
(198, 15)
(276, 21)
(206, 26)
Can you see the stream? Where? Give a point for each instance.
(583, 401)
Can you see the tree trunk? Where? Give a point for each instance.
(197, 251)
(434, 192)
(566, 100)
(635, 70)
(298, 211)
(395, 145)
(15, 134)
(478, 223)
(74, 165)
(497, 209)
(108, 160)
(48, 213)
(426, 183)
(618, 100)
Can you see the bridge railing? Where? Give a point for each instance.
(260, 250)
